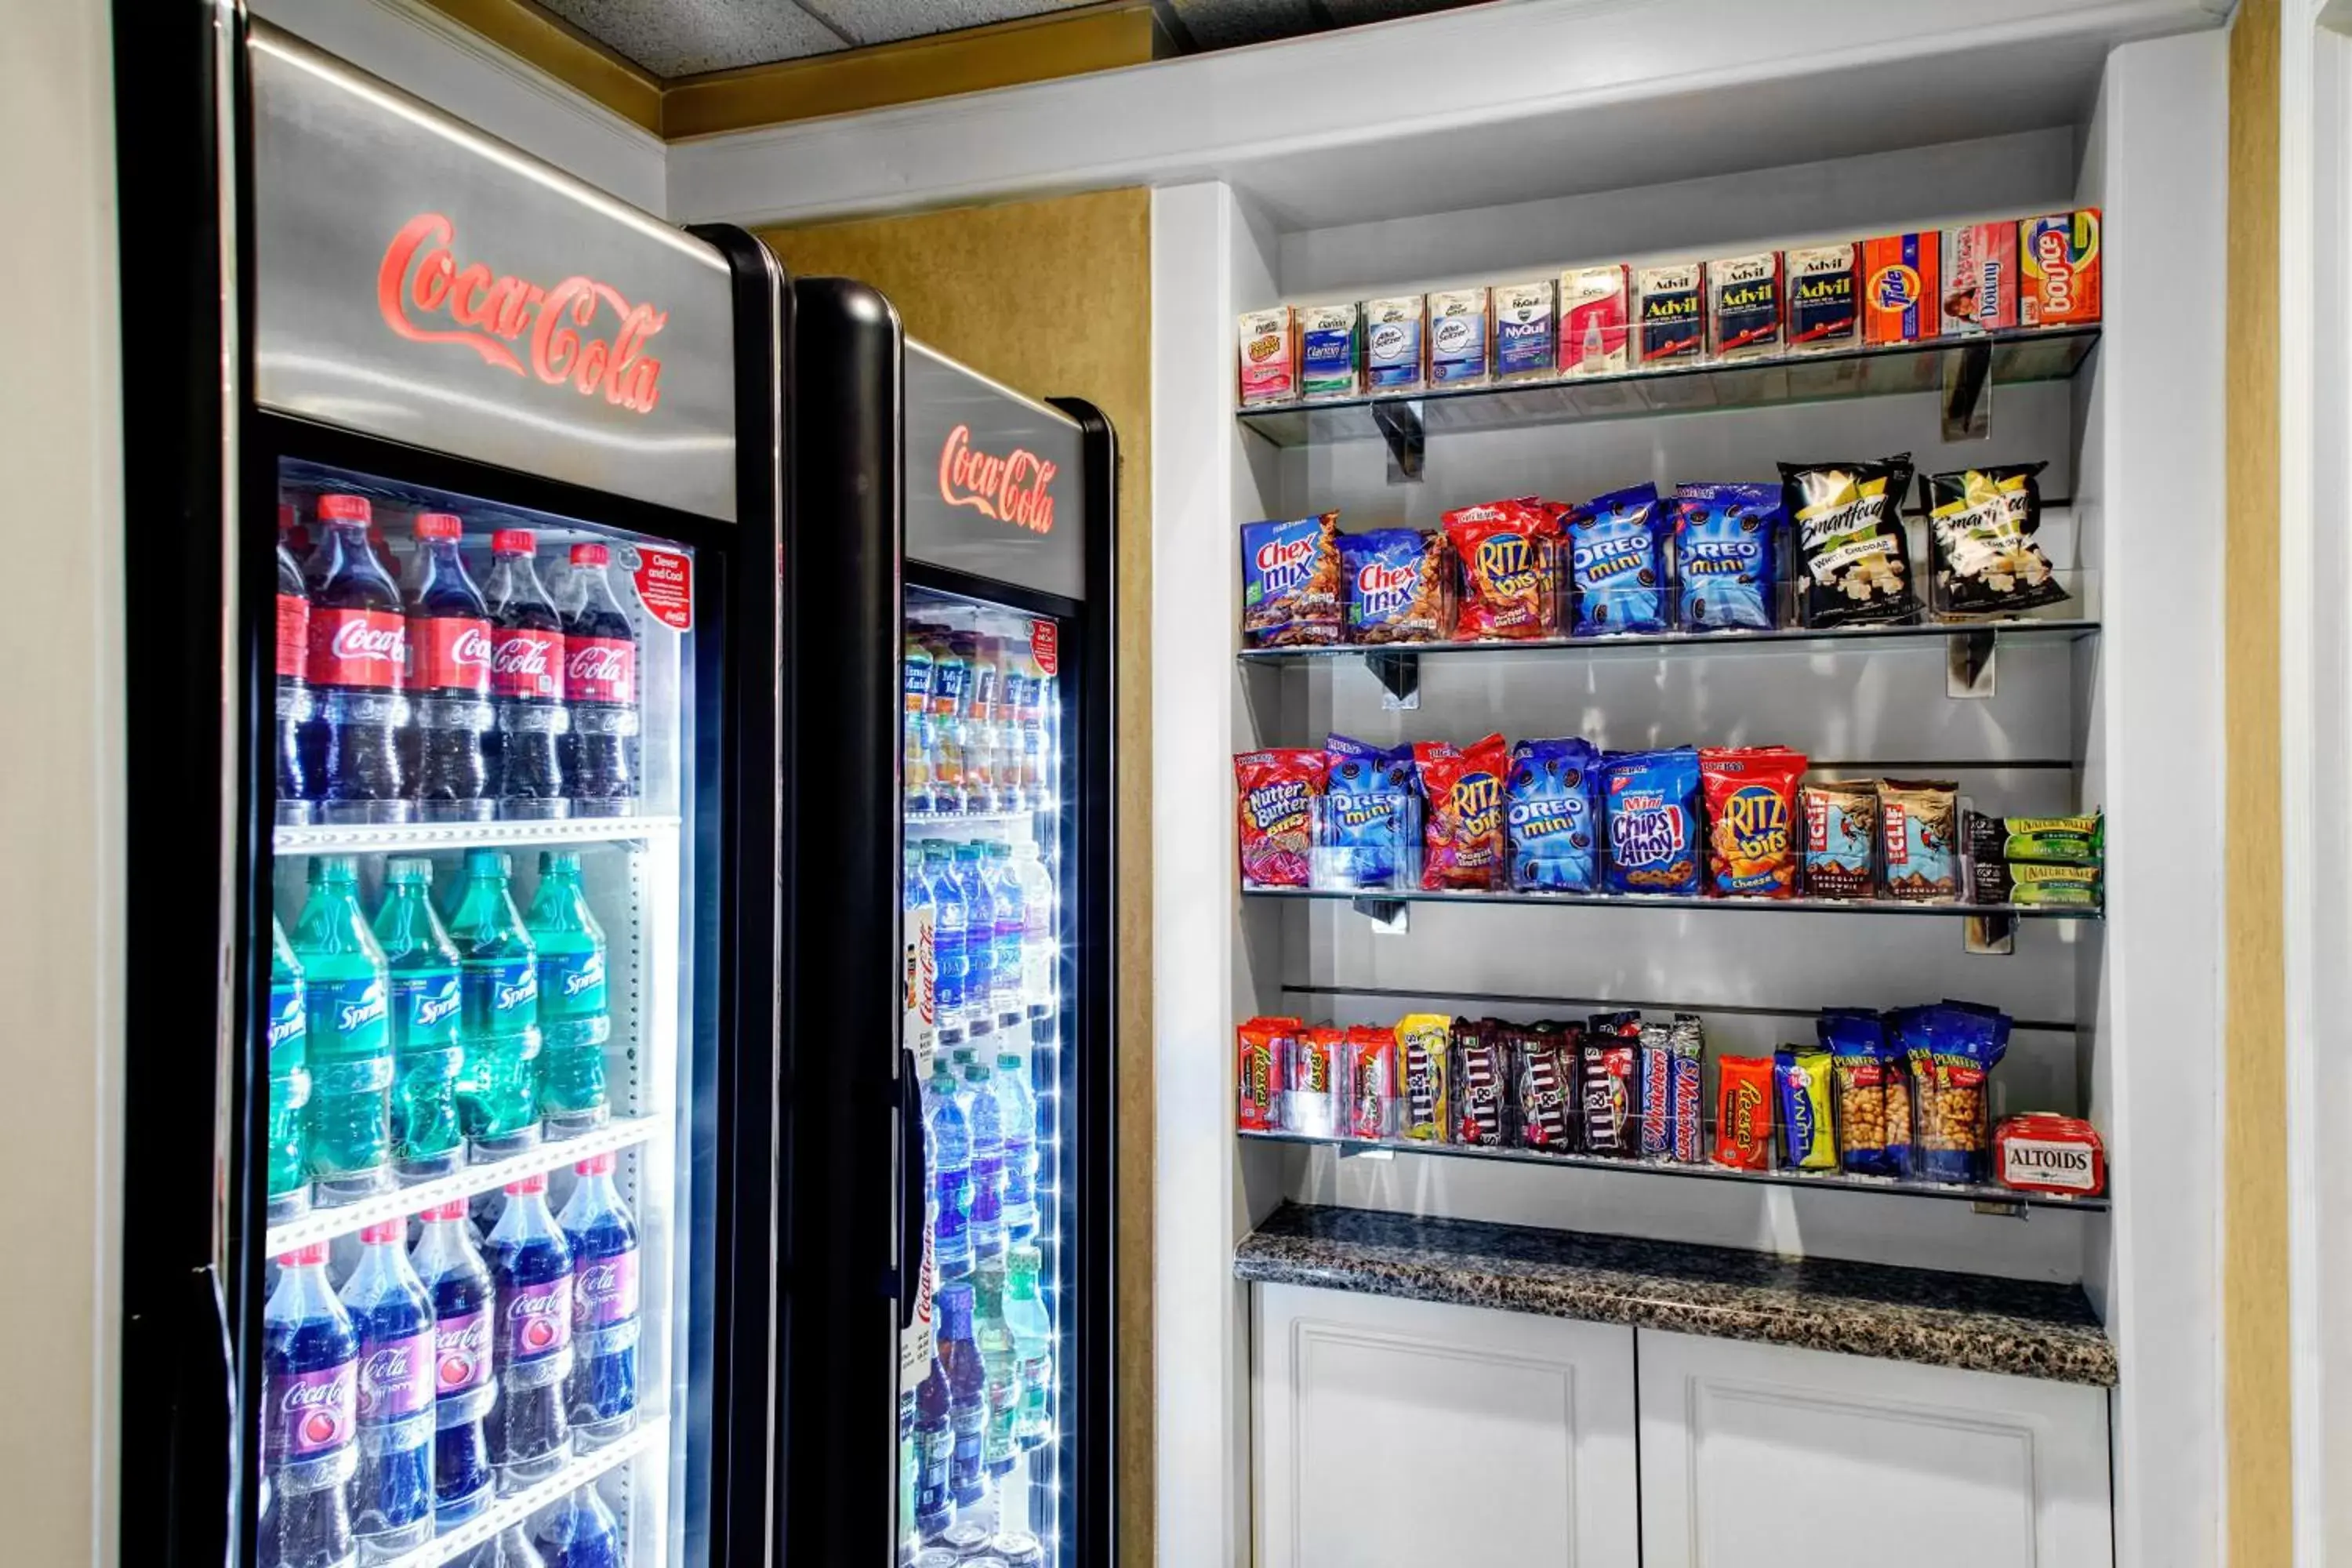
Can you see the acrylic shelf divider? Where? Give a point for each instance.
(1824, 1180)
(370, 838)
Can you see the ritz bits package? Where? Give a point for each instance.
(1901, 288)
(1854, 559)
(1551, 1110)
(1980, 278)
(1669, 1076)
(1290, 580)
(1269, 356)
(1509, 551)
(2042, 1153)
(1275, 792)
(1743, 305)
(1525, 343)
(1670, 312)
(1461, 813)
(1873, 1093)
(1618, 559)
(1425, 1043)
(1457, 337)
(1396, 334)
(1593, 324)
(1371, 1083)
(1399, 585)
(1331, 351)
(1842, 839)
(1824, 298)
(1482, 1083)
(1743, 1113)
(1808, 1127)
(1751, 814)
(1952, 1048)
(1651, 801)
(1552, 815)
(1262, 1056)
(1920, 824)
(2059, 256)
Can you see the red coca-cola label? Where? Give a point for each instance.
(358, 647)
(451, 653)
(525, 663)
(293, 634)
(600, 670)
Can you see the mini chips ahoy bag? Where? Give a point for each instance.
(1366, 816)
(1650, 803)
(1724, 543)
(1619, 562)
(1551, 811)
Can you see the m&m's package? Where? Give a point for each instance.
(1723, 542)
(1751, 814)
(1743, 1113)
(1510, 569)
(1290, 580)
(1649, 802)
(1552, 815)
(1551, 1110)
(1399, 585)
(1618, 558)
(1608, 1072)
(1274, 791)
(1483, 1110)
(1424, 1048)
(1461, 813)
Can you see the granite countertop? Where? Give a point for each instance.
(1972, 1322)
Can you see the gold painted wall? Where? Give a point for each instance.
(1054, 298)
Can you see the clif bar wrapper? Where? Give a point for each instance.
(1327, 351)
(1824, 287)
(1396, 332)
(1269, 356)
(1743, 314)
(1980, 278)
(1669, 307)
(1900, 287)
(1523, 341)
(2059, 256)
(1457, 338)
(1593, 330)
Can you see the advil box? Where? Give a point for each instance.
(1900, 287)
(2059, 256)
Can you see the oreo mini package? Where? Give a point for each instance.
(1399, 584)
(1649, 802)
(1290, 580)
(1724, 541)
(1509, 551)
(1362, 843)
(1551, 811)
(1618, 559)
(1461, 813)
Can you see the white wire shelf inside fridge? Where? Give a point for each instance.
(373, 839)
(552, 1154)
(516, 1507)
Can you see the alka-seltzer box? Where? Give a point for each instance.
(1824, 284)
(1457, 337)
(1269, 357)
(1743, 305)
(1394, 333)
(1980, 278)
(1326, 350)
(1525, 346)
(1900, 296)
(1593, 330)
(1669, 308)
(2059, 258)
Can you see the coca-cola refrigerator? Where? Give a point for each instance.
(950, 940)
(455, 496)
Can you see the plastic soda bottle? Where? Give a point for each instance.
(310, 1369)
(1007, 923)
(392, 1496)
(950, 681)
(980, 940)
(530, 1343)
(458, 1282)
(996, 1443)
(422, 964)
(357, 666)
(294, 707)
(978, 1101)
(967, 1391)
(915, 735)
(951, 944)
(950, 1149)
(1041, 944)
(578, 1532)
(347, 1043)
(1033, 1347)
(1016, 1122)
(934, 1452)
(526, 681)
(510, 1548)
(984, 788)
(603, 1236)
(572, 1022)
(600, 687)
(289, 1080)
(498, 986)
(449, 676)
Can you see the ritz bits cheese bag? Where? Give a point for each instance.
(1269, 356)
(1901, 288)
(1509, 551)
(1461, 813)
(2059, 256)
(1425, 1049)
(1751, 814)
(1262, 1047)
(1275, 789)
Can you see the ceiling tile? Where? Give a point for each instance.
(684, 38)
(887, 21)
(1225, 24)
(1349, 12)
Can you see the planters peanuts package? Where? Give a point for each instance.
(1399, 584)
(1363, 839)
(1552, 812)
(1725, 537)
(1874, 1093)
(1650, 803)
(1619, 562)
(1951, 1048)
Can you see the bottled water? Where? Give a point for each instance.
(967, 1382)
(1016, 1122)
(971, 878)
(1041, 944)
(952, 1166)
(309, 1368)
(603, 1238)
(1033, 1347)
(508, 1549)
(979, 1105)
(464, 1308)
(392, 1498)
(530, 1264)
(934, 1452)
(995, 1341)
(1007, 924)
(950, 947)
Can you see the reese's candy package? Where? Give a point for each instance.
(1262, 1056)
(1872, 1094)
(1617, 554)
(1808, 1127)
(1269, 356)
(1457, 337)
(1900, 289)
(1509, 551)
(1371, 1083)
(1751, 815)
(1395, 332)
(1274, 789)
(1609, 1090)
(1743, 309)
(1363, 839)
(1981, 523)
(1523, 321)
(2059, 256)
(1670, 314)
(1651, 801)
(1824, 293)
(1461, 813)
(1399, 586)
(1552, 815)
(1853, 559)
(1952, 1049)
(1330, 350)
(1482, 1083)
(1724, 539)
(1920, 824)
(1425, 1047)
(1551, 1110)
(1315, 1089)
(1743, 1115)
(1290, 580)
(1842, 839)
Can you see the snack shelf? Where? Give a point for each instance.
(1957, 367)
(369, 839)
(2023, 629)
(347, 1220)
(1384, 896)
(1418, 999)
(1823, 1181)
(516, 1507)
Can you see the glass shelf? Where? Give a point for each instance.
(2001, 359)
(369, 839)
(1823, 1181)
(2021, 629)
(1377, 895)
(583, 1468)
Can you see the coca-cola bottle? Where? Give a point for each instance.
(449, 678)
(526, 681)
(293, 691)
(359, 659)
(600, 685)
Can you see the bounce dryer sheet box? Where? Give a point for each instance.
(1592, 330)
(1457, 337)
(1670, 308)
(1743, 305)
(1396, 336)
(1901, 293)
(1824, 283)
(1980, 278)
(1328, 343)
(1523, 341)
(2059, 258)
(1269, 356)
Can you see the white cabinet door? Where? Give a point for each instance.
(1395, 1434)
(1760, 1456)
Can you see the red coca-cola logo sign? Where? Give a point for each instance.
(1014, 490)
(516, 325)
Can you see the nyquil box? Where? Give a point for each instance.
(1394, 331)
(1523, 330)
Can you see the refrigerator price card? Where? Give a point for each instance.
(665, 583)
(1045, 647)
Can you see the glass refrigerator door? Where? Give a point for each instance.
(485, 1210)
(983, 1449)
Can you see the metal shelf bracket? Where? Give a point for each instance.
(1400, 427)
(1400, 678)
(1389, 916)
(1967, 392)
(1970, 671)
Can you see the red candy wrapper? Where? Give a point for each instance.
(2042, 1153)
(1275, 790)
(1609, 1090)
(1743, 1118)
(1371, 1083)
(1509, 551)
(1262, 1047)
(1462, 812)
(1317, 1064)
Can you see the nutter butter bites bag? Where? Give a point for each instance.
(1396, 333)
(1457, 337)
(1824, 299)
(1669, 308)
(1618, 559)
(1425, 1047)
(1743, 317)
(1981, 522)
(1523, 321)
(1592, 320)
(1269, 356)
(1274, 794)
(1328, 350)
(2059, 256)
(1854, 559)
(1290, 580)
(1509, 553)
(1901, 288)
(1724, 539)
(1461, 813)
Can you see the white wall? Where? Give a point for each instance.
(60, 791)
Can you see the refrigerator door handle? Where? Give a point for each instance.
(910, 1190)
(202, 1438)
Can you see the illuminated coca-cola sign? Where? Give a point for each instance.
(1017, 487)
(992, 479)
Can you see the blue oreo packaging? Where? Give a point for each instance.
(1619, 562)
(1650, 807)
(1724, 547)
(1368, 822)
(1551, 801)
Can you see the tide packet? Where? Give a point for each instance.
(1650, 800)
(1725, 536)
(1461, 813)
(1900, 288)
(1618, 559)
(1551, 814)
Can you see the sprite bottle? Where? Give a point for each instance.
(289, 1080)
(347, 1044)
(426, 1141)
(498, 988)
(573, 1022)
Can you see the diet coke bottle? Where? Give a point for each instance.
(600, 683)
(449, 653)
(358, 663)
(526, 681)
(293, 691)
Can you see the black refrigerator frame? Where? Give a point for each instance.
(200, 486)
